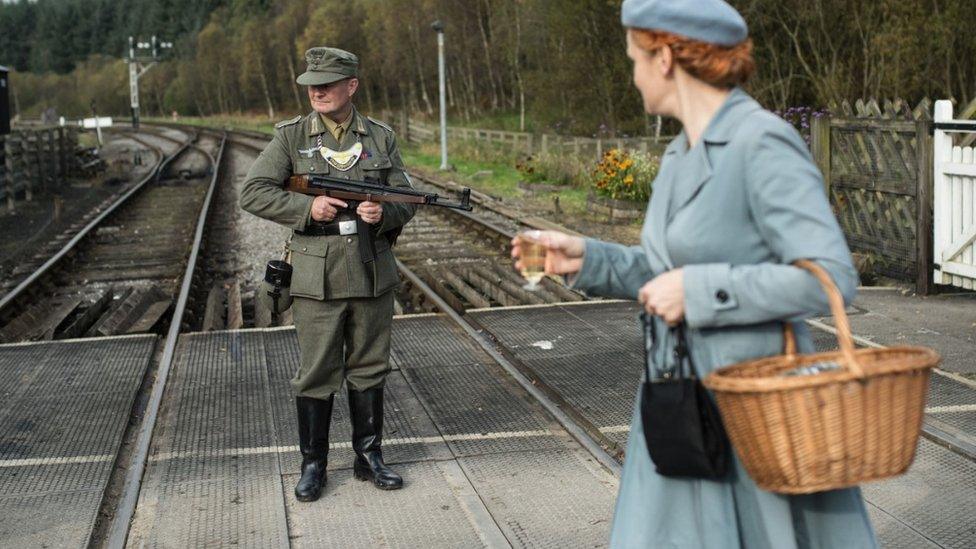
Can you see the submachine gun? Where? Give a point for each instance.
(277, 276)
(370, 190)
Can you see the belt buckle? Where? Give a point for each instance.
(347, 227)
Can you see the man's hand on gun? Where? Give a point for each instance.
(325, 208)
(370, 212)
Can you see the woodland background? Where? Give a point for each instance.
(545, 65)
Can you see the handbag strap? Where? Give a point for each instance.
(681, 353)
(647, 324)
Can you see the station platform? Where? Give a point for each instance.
(484, 463)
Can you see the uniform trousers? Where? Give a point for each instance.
(342, 339)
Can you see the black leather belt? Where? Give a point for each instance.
(344, 227)
(317, 229)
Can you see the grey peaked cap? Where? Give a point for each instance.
(712, 21)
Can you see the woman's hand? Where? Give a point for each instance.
(564, 253)
(664, 296)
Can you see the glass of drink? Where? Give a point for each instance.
(533, 258)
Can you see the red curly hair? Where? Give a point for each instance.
(720, 66)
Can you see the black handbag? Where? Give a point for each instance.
(682, 426)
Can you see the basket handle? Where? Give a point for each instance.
(844, 339)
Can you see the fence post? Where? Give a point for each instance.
(942, 218)
(599, 149)
(405, 126)
(924, 229)
(5, 175)
(545, 143)
(820, 143)
(30, 165)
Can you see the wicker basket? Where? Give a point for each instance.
(810, 433)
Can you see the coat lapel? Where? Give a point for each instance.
(696, 171)
(685, 172)
(661, 197)
(697, 164)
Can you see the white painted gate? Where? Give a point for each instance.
(954, 201)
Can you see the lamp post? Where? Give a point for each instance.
(438, 27)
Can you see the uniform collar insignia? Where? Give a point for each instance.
(342, 160)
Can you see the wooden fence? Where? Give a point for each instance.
(32, 160)
(877, 165)
(529, 143)
(954, 196)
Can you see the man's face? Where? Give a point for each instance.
(333, 99)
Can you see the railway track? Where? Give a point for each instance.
(33, 255)
(119, 273)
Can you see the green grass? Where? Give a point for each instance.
(252, 123)
(502, 183)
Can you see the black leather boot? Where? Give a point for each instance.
(366, 410)
(314, 417)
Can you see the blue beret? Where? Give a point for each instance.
(712, 21)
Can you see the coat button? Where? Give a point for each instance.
(349, 240)
(722, 296)
(311, 168)
(304, 249)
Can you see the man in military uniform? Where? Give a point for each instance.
(343, 302)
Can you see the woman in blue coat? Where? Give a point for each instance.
(737, 199)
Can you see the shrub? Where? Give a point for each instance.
(549, 168)
(802, 119)
(624, 176)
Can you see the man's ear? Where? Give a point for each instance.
(353, 86)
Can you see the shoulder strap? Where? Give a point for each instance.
(288, 122)
(383, 125)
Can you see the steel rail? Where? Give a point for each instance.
(16, 292)
(573, 428)
(119, 529)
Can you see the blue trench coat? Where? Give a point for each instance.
(733, 212)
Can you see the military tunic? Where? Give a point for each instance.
(343, 307)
